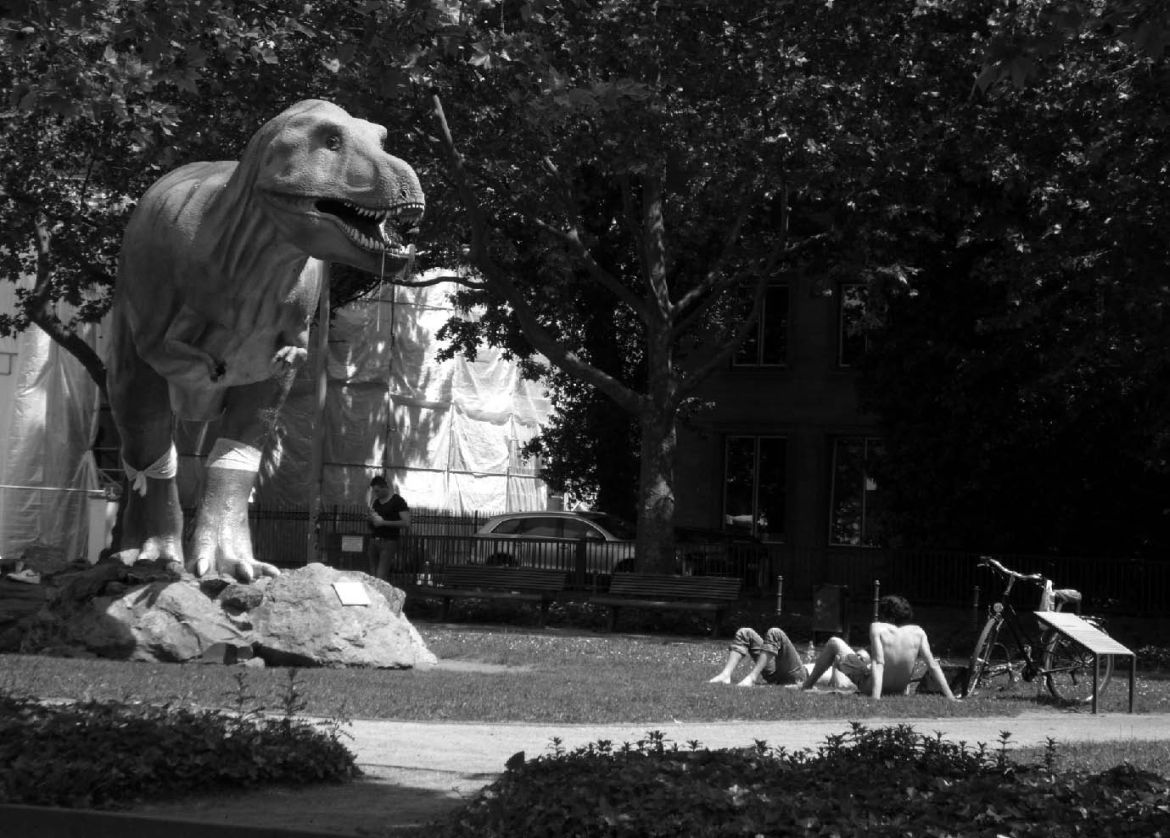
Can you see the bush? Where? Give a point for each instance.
(113, 754)
(888, 781)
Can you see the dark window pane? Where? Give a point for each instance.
(772, 492)
(767, 344)
(739, 481)
(577, 529)
(775, 326)
(542, 527)
(856, 502)
(853, 339)
(848, 481)
(755, 485)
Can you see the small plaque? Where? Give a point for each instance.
(352, 593)
(352, 544)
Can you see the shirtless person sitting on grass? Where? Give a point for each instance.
(896, 646)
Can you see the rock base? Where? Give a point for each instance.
(154, 612)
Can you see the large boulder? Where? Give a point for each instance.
(157, 611)
(162, 621)
(302, 621)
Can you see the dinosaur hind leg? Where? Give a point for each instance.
(152, 519)
(223, 540)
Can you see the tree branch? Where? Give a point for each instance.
(540, 337)
(654, 247)
(717, 282)
(41, 311)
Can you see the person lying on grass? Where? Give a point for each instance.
(895, 647)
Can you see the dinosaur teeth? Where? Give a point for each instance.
(366, 212)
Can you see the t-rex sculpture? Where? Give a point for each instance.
(219, 275)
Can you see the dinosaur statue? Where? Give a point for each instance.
(219, 275)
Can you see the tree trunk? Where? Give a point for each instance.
(655, 548)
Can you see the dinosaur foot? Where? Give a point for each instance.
(241, 569)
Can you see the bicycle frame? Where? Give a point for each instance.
(1038, 652)
(1003, 612)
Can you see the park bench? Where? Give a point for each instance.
(484, 582)
(665, 592)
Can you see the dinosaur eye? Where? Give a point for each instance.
(333, 142)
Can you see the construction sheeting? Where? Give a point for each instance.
(448, 432)
(48, 470)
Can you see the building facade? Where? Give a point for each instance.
(782, 450)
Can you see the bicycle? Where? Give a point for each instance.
(1065, 666)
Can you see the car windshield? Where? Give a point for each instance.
(616, 526)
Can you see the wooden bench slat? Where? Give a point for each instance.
(667, 592)
(479, 582)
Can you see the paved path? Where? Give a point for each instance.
(478, 748)
(416, 772)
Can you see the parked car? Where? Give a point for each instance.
(606, 544)
(555, 540)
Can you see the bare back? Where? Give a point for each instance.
(895, 649)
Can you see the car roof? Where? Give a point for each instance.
(552, 513)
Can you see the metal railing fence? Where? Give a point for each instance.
(290, 537)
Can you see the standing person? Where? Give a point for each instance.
(389, 518)
(887, 668)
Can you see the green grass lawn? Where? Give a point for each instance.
(552, 676)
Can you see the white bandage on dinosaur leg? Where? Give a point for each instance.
(164, 467)
(235, 455)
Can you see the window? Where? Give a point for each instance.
(577, 530)
(852, 339)
(854, 515)
(542, 528)
(509, 526)
(767, 344)
(755, 494)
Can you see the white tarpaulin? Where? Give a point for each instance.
(449, 432)
(48, 470)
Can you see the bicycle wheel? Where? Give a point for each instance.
(990, 662)
(1068, 669)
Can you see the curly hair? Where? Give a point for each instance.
(894, 609)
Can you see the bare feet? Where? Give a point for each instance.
(721, 678)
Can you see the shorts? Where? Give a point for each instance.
(857, 669)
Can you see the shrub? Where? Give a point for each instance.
(112, 754)
(888, 781)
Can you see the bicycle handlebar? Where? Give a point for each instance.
(988, 561)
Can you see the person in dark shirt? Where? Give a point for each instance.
(389, 518)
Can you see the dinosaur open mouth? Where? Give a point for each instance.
(386, 229)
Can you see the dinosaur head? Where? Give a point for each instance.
(329, 186)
